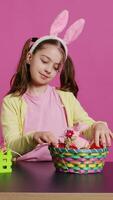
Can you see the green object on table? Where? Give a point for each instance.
(5, 161)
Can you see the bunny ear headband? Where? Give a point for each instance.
(58, 26)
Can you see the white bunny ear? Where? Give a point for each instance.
(74, 31)
(59, 23)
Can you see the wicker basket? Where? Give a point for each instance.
(81, 161)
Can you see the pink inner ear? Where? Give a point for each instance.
(74, 31)
(59, 23)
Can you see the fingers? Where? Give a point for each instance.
(50, 139)
(97, 134)
(39, 141)
(108, 139)
(104, 138)
(44, 138)
(53, 140)
(47, 137)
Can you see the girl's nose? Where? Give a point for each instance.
(48, 69)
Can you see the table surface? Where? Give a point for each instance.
(42, 177)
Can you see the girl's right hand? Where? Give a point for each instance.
(45, 137)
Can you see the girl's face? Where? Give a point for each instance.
(45, 64)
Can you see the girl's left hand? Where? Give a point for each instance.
(102, 134)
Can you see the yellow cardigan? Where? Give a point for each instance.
(13, 110)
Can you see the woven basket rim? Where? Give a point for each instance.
(78, 150)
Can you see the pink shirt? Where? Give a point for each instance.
(44, 113)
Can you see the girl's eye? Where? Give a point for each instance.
(44, 61)
(56, 69)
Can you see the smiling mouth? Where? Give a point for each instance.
(43, 76)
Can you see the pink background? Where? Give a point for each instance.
(91, 53)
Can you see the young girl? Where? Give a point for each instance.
(35, 114)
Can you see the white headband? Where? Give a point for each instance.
(46, 37)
